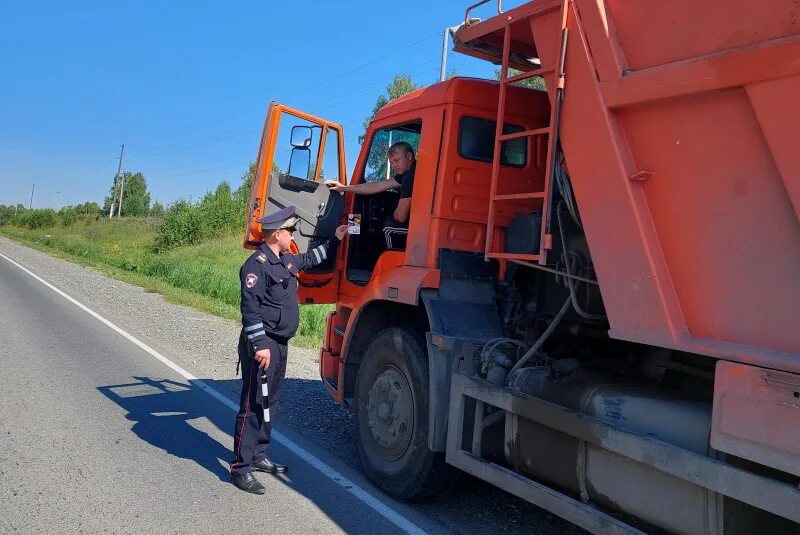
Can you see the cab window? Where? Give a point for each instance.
(330, 158)
(377, 167)
(476, 142)
(297, 148)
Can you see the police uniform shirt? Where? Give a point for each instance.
(269, 292)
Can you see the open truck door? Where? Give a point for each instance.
(297, 154)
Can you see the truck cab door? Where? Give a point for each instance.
(297, 154)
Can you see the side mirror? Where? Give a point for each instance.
(301, 137)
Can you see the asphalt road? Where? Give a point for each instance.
(99, 436)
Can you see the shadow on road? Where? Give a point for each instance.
(161, 410)
(182, 420)
(164, 411)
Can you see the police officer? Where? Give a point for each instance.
(270, 317)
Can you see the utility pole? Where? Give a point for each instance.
(121, 189)
(113, 190)
(30, 206)
(58, 197)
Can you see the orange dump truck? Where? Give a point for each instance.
(596, 304)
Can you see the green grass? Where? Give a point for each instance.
(203, 276)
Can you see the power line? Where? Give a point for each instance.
(435, 34)
(229, 134)
(195, 128)
(369, 85)
(326, 81)
(365, 90)
(185, 167)
(157, 150)
(223, 168)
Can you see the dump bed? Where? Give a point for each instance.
(681, 131)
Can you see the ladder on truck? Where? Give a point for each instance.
(547, 135)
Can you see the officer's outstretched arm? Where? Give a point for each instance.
(317, 255)
(253, 286)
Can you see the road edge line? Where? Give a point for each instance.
(328, 471)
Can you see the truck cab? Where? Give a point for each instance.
(451, 126)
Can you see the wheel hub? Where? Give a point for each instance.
(390, 413)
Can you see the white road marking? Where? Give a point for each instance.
(374, 503)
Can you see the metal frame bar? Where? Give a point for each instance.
(498, 132)
(518, 196)
(473, 6)
(768, 494)
(529, 74)
(730, 68)
(472, 31)
(526, 133)
(546, 239)
(570, 509)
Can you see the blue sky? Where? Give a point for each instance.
(185, 85)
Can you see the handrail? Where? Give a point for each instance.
(473, 6)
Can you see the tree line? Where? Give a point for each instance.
(183, 222)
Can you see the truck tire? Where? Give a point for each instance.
(391, 418)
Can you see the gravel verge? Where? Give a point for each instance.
(206, 346)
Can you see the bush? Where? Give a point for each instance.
(187, 224)
(7, 213)
(34, 219)
(157, 210)
(68, 216)
(182, 225)
(221, 209)
(88, 208)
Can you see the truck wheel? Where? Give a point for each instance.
(391, 418)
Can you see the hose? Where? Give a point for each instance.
(543, 337)
(486, 351)
(565, 187)
(570, 281)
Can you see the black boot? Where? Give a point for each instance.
(248, 483)
(265, 465)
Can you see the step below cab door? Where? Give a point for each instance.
(297, 154)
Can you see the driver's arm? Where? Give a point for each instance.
(402, 210)
(365, 188)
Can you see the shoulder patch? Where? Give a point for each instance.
(250, 280)
(262, 258)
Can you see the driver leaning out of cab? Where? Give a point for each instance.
(401, 159)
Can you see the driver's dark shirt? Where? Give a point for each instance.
(406, 181)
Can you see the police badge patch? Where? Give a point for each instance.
(250, 280)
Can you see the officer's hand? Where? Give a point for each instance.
(335, 185)
(262, 357)
(341, 230)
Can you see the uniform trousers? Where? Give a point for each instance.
(252, 434)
